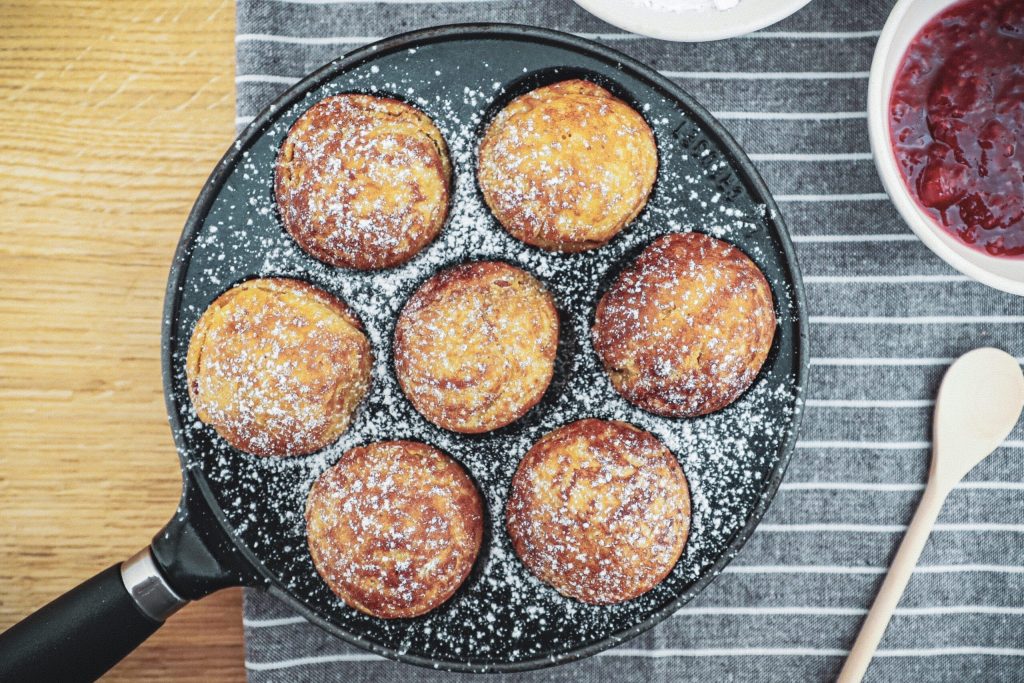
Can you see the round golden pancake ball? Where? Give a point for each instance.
(567, 166)
(394, 528)
(600, 510)
(475, 346)
(278, 367)
(363, 182)
(686, 327)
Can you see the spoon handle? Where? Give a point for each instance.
(895, 583)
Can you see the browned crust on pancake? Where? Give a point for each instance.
(600, 510)
(686, 328)
(363, 182)
(394, 528)
(278, 367)
(475, 346)
(567, 166)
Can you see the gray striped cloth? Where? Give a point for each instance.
(887, 317)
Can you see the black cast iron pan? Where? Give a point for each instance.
(240, 517)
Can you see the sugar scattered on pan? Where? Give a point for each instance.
(501, 609)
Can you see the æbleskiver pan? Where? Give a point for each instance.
(240, 517)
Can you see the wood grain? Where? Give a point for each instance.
(113, 115)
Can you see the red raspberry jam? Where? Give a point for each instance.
(957, 122)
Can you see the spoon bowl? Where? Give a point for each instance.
(979, 402)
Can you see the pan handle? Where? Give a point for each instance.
(89, 629)
(83, 633)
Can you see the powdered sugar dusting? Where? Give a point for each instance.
(567, 165)
(475, 346)
(502, 614)
(277, 367)
(599, 510)
(394, 527)
(685, 328)
(362, 182)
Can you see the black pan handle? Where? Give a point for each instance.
(89, 629)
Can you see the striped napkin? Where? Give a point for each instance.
(887, 317)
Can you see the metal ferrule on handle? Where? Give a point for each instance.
(148, 588)
(80, 635)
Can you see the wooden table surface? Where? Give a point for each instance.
(113, 115)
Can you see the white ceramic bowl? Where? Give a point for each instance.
(692, 26)
(907, 18)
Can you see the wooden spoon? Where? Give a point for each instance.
(979, 402)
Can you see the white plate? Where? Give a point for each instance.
(692, 26)
(907, 18)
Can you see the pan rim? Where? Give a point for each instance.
(758, 191)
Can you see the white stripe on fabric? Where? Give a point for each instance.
(791, 115)
(783, 35)
(846, 611)
(806, 157)
(866, 445)
(810, 652)
(304, 40)
(619, 652)
(886, 445)
(834, 569)
(847, 486)
(265, 78)
(831, 527)
(767, 75)
(868, 403)
(268, 623)
(883, 486)
(725, 652)
(881, 362)
(897, 237)
(814, 35)
(675, 652)
(884, 528)
(993, 485)
(306, 661)
(917, 319)
(957, 609)
(944, 651)
(861, 197)
(768, 611)
(958, 568)
(885, 279)
(979, 526)
(886, 362)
